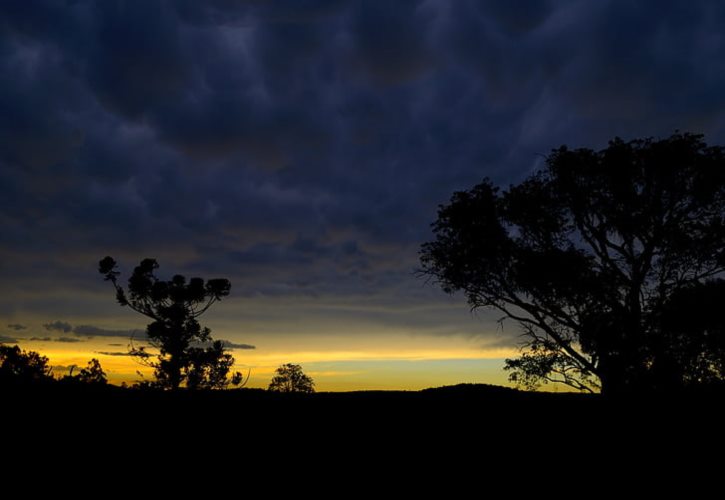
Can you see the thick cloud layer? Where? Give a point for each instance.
(300, 148)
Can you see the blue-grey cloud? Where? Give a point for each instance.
(60, 326)
(88, 331)
(234, 345)
(301, 148)
(17, 327)
(226, 343)
(94, 331)
(4, 339)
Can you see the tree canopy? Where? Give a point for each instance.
(17, 366)
(600, 257)
(187, 354)
(92, 374)
(291, 378)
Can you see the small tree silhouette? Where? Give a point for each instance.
(291, 378)
(187, 353)
(93, 373)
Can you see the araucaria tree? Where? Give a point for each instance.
(187, 355)
(599, 257)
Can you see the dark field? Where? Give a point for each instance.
(456, 438)
(456, 410)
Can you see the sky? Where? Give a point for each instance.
(300, 148)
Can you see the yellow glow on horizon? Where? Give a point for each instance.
(262, 365)
(300, 357)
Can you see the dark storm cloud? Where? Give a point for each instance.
(301, 147)
(390, 40)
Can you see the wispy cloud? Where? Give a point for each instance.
(60, 369)
(17, 327)
(67, 340)
(227, 343)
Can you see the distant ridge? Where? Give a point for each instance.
(473, 389)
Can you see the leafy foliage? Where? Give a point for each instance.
(291, 378)
(591, 256)
(692, 345)
(18, 366)
(93, 373)
(187, 353)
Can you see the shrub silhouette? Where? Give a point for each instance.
(291, 378)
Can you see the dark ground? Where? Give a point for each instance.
(456, 436)
(452, 408)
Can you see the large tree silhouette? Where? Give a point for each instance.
(592, 256)
(187, 353)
